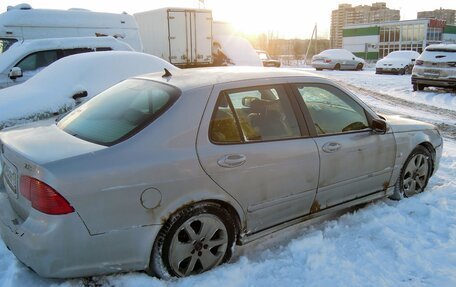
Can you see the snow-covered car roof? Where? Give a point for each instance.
(400, 54)
(22, 48)
(336, 53)
(54, 86)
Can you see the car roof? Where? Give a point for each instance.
(187, 79)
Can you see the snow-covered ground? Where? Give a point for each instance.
(387, 243)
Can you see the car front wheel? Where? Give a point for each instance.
(414, 174)
(359, 67)
(194, 240)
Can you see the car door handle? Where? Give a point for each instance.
(331, 147)
(232, 160)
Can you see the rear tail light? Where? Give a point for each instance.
(43, 197)
(419, 62)
(327, 61)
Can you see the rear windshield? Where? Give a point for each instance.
(119, 112)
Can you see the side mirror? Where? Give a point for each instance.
(379, 126)
(15, 73)
(353, 58)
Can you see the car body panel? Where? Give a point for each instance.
(374, 156)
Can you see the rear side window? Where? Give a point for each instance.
(120, 111)
(255, 114)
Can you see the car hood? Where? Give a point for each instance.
(45, 143)
(394, 62)
(400, 124)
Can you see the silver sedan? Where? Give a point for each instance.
(166, 173)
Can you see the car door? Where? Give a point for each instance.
(354, 161)
(254, 147)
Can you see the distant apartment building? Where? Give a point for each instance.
(448, 15)
(374, 41)
(346, 14)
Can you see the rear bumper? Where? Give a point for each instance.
(322, 65)
(434, 82)
(388, 70)
(59, 246)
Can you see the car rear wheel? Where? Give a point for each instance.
(337, 67)
(194, 240)
(414, 174)
(359, 67)
(318, 69)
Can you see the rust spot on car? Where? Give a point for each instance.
(385, 186)
(315, 207)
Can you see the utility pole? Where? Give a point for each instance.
(314, 32)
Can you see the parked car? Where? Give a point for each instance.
(73, 78)
(25, 59)
(435, 67)
(337, 59)
(167, 171)
(267, 60)
(397, 62)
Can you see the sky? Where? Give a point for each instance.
(284, 18)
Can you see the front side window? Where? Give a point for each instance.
(120, 111)
(261, 114)
(38, 60)
(332, 111)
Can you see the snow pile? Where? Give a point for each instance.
(238, 50)
(52, 89)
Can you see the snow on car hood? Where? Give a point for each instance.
(45, 143)
(400, 124)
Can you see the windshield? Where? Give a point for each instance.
(119, 112)
(5, 44)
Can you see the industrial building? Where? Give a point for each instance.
(346, 14)
(374, 41)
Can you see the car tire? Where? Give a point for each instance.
(414, 174)
(378, 72)
(337, 67)
(359, 67)
(195, 239)
(418, 87)
(318, 69)
(401, 71)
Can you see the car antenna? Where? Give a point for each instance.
(167, 74)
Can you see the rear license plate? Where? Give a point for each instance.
(10, 176)
(431, 73)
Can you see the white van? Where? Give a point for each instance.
(21, 22)
(25, 58)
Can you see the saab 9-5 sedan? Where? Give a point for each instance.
(167, 172)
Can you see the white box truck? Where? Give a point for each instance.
(180, 36)
(22, 22)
